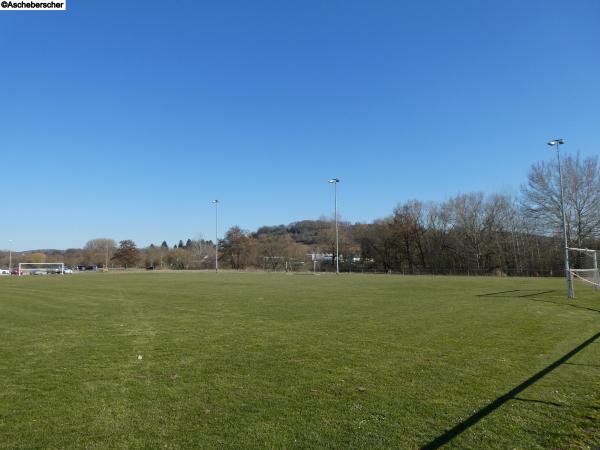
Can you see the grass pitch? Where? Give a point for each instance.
(285, 361)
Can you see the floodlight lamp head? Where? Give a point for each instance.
(215, 201)
(334, 180)
(556, 142)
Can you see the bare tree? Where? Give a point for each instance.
(199, 250)
(581, 180)
(273, 252)
(468, 225)
(98, 251)
(237, 247)
(408, 222)
(583, 197)
(379, 243)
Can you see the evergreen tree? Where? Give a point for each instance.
(127, 254)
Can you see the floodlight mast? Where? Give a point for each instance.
(10, 255)
(557, 143)
(216, 203)
(335, 181)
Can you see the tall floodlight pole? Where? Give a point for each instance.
(335, 181)
(595, 265)
(216, 203)
(10, 255)
(558, 143)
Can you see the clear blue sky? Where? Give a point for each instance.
(125, 119)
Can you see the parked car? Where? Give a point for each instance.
(15, 271)
(4, 272)
(67, 271)
(54, 271)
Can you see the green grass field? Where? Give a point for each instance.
(288, 361)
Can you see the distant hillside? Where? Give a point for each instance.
(307, 232)
(46, 251)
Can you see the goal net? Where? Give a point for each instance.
(585, 266)
(41, 268)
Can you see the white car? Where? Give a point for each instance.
(67, 271)
(4, 272)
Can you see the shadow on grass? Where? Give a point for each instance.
(499, 293)
(531, 400)
(510, 395)
(530, 294)
(585, 365)
(566, 304)
(516, 293)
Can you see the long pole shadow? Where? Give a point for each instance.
(544, 402)
(531, 296)
(585, 365)
(570, 305)
(524, 293)
(467, 423)
(535, 294)
(498, 293)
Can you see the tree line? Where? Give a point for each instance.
(470, 233)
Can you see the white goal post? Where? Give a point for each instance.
(587, 260)
(41, 268)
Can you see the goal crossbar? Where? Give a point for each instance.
(25, 268)
(585, 250)
(589, 275)
(576, 273)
